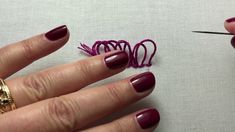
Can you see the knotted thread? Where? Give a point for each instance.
(125, 46)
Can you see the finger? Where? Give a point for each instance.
(233, 41)
(143, 121)
(74, 111)
(230, 25)
(66, 78)
(18, 55)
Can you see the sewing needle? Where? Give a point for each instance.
(208, 32)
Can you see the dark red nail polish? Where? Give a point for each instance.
(143, 82)
(57, 33)
(116, 60)
(148, 118)
(230, 20)
(233, 42)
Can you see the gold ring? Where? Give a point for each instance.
(6, 100)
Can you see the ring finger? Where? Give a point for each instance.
(66, 78)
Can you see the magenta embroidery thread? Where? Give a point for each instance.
(123, 45)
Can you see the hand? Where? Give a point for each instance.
(49, 100)
(230, 26)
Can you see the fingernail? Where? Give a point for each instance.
(148, 118)
(233, 42)
(143, 82)
(230, 20)
(57, 33)
(116, 60)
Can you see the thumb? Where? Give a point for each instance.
(229, 25)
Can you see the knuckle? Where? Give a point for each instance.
(62, 113)
(36, 86)
(125, 126)
(5, 53)
(84, 68)
(114, 93)
(28, 49)
(118, 126)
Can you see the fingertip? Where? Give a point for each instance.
(233, 42)
(58, 36)
(143, 82)
(57, 33)
(116, 60)
(53, 39)
(148, 118)
(229, 25)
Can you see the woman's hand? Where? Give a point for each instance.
(51, 100)
(229, 24)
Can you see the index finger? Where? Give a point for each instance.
(18, 55)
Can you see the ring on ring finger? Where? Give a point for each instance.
(6, 100)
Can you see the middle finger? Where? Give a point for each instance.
(65, 79)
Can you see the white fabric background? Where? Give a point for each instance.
(195, 72)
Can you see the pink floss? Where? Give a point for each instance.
(125, 46)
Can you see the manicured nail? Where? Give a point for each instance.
(230, 20)
(233, 42)
(148, 118)
(117, 60)
(143, 82)
(57, 33)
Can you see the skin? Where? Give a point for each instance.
(230, 27)
(51, 101)
(43, 103)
